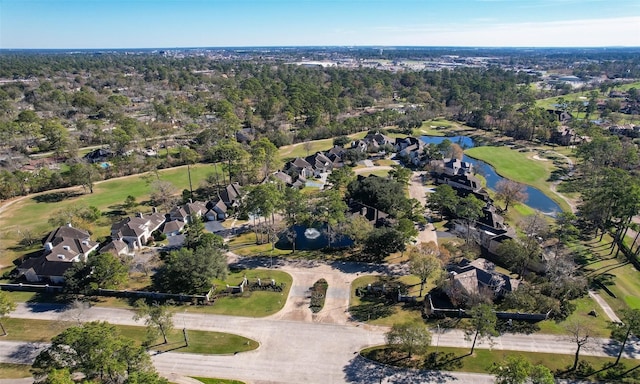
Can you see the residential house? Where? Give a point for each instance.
(320, 163)
(373, 215)
(282, 177)
(231, 195)
(178, 213)
(372, 142)
(62, 247)
(478, 277)
(466, 181)
(299, 168)
(98, 155)
(117, 247)
(360, 145)
(491, 218)
(217, 210)
(564, 135)
(136, 231)
(173, 227)
(561, 116)
(454, 167)
(377, 139)
(336, 151)
(195, 209)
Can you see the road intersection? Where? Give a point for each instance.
(297, 347)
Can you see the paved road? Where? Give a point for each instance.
(296, 347)
(300, 351)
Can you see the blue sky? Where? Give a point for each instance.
(220, 23)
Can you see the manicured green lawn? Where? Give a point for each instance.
(620, 276)
(482, 359)
(207, 380)
(299, 150)
(583, 306)
(250, 304)
(210, 343)
(14, 371)
(32, 213)
(377, 172)
(517, 166)
(375, 312)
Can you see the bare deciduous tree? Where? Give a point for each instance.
(579, 333)
(510, 191)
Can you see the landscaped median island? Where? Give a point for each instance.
(202, 342)
(482, 361)
(208, 380)
(318, 295)
(264, 294)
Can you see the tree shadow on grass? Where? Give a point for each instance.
(364, 371)
(56, 197)
(371, 311)
(169, 347)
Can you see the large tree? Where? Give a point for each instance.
(514, 255)
(483, 324)
(6, 306)
(232, 154)
(382, 242)
(518, 370)
(103, 270)
(386, 195)
(263, 201)
(99, 352)
(409, 337)
(400, 174)
(191, 272)
(264, 154)
(341, 177)
(510, 191)
(163, 194)
(424, 262)
(469, 209)
(444, 200)
(630, 326)
(157, 317)
(579, 332)
(330, 209)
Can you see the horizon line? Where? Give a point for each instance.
(323, 47)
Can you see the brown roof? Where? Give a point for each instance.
(65, 231)
(45, 268)
(114, 246)
(173, 226)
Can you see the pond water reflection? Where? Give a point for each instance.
(311, 238)
(536, 199)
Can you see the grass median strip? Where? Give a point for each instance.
(208, 380)
(459, 360)
(202, 342)
(14, 371)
